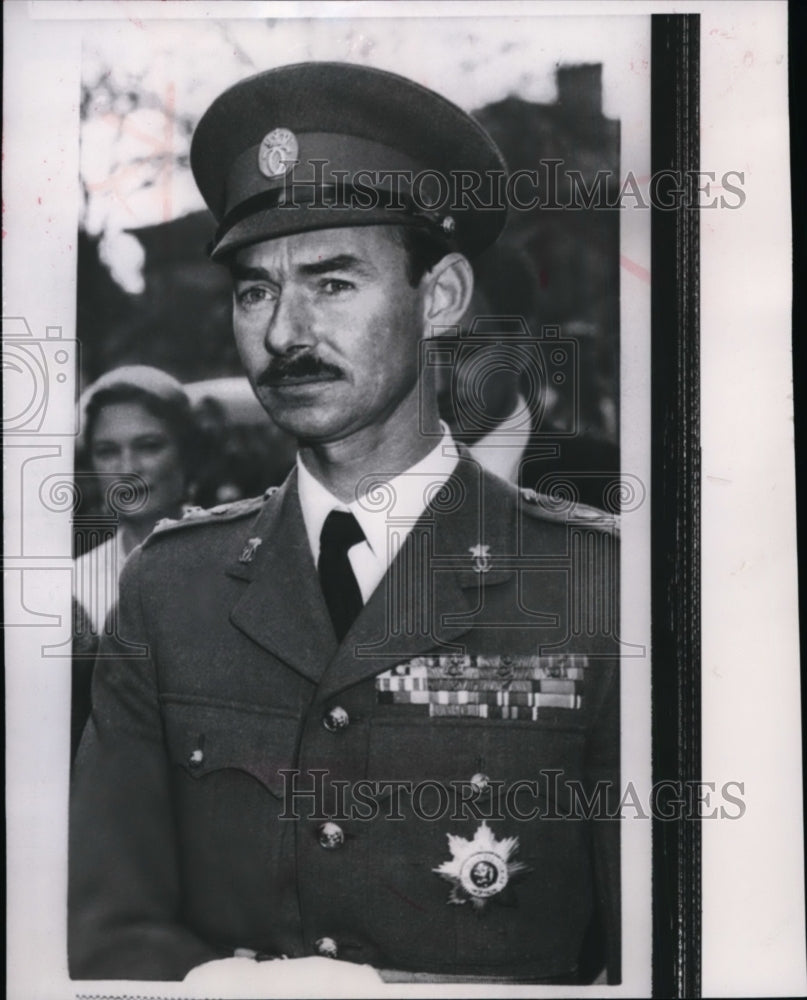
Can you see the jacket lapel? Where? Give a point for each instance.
(429, 597)
(283, 609)
(428, 600)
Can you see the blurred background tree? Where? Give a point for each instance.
(146, 291)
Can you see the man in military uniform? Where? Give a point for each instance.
(352, 718)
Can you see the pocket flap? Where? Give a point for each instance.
(205, 736)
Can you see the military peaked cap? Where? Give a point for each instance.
(321, 145)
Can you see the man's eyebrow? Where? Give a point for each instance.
(339, 262)
(242, 272)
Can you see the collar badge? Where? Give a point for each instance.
(481, 558)
(249, 550)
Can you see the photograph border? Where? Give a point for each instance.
(675, 502)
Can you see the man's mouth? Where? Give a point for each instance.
(282, 381)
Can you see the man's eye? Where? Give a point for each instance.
(333, 286)
(253, 296)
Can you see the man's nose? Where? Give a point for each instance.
(289, 326)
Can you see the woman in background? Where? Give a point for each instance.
(139, 439)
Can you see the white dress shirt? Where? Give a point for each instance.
(386, 512)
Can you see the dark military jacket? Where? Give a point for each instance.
(404, 798)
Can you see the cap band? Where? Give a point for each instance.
(323, 158)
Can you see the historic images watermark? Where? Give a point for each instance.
(550, 186)
(315, 796)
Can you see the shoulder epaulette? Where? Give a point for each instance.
(200, 515)
(562, 510)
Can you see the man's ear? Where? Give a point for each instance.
(448, 288)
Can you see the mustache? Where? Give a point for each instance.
(300, 364)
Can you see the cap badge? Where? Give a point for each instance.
(479, 868)
(278, 152)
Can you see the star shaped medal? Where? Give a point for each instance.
(479, 868)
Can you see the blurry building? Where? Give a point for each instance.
(573, 251)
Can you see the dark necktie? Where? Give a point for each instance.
(340, 532)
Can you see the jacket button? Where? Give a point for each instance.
(336, 719)
(480, 781)
(326, 946)
(331, 836)
(196, 759)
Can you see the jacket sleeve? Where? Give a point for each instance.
(124, 904)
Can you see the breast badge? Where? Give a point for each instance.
(479, 868)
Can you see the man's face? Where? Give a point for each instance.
(327, 327)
